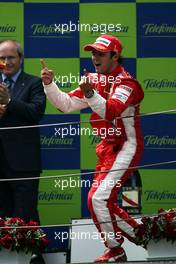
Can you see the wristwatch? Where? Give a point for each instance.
(89, 93)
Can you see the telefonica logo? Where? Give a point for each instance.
(159, 141)
(53, 141)
(159, 195)
(159, 29)
(54, 196)
(7, 29)
(42, 29)
(159, 84)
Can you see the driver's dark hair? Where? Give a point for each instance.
(120, 59)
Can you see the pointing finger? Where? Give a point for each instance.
(43, 63)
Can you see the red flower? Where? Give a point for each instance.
(18, 235)
(156, 228)
(6, 241)
(169, 217)
(33, 223)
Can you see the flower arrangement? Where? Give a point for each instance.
(16, 235)
(156, 228)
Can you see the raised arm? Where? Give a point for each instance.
(64, 102)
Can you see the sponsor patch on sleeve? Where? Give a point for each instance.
(122, 93)
(120, 96)
(124, 89)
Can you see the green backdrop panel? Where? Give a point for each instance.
(158, 190)
(11, 21)
(113, 13)
(59, 199)
(157, 77)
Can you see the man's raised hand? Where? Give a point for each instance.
(46, 75)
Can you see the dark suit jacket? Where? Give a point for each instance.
(22, 146)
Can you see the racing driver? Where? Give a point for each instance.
(114, 97)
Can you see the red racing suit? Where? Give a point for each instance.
(115, 106)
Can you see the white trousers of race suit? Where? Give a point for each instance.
(102, 197)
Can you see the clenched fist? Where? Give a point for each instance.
(86, 84)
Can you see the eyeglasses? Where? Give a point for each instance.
(9, 58)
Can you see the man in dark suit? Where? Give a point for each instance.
(22, 103)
